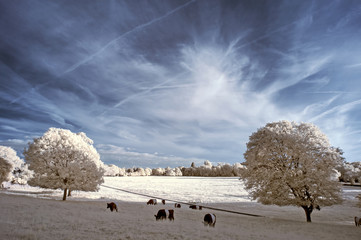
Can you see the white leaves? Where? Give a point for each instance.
(295, 157)
(62, 159)
(19, 172)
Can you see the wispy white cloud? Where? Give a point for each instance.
(315, 108)
(298, 71)
(338, 110)
(356, 65)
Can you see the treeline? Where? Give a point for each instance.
(205, 170)
(346, 172)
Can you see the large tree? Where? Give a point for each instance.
(64, 160)
(290, 163)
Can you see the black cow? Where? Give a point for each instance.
(357, 221)
(209, 220)
(163, 201)
(152, 202)
(177, 205)
(163, 214)
(112, 206)
(195, 207)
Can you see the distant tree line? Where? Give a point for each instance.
(206, 170)
(16, 171)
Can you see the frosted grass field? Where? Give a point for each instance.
(184, 189)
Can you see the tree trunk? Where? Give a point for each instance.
(308, 211)
(69, 193)
(64, 196)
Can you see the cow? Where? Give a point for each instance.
(209, 220)
(195, 207)
(163, 201)
(163, 214)
(112, 206)
(357, 221)
(177, 205)
(152, 202)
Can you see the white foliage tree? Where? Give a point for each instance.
(65, 160)
(140, 172)
(169, 172)
(148, 171)
(237, 169)
(291, 164)
(19, 172)
(158, 171)
(122, 172)
(111, 170)
(178, 171)
(351, 172)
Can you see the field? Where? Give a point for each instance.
(31, 213)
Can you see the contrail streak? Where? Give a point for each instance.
(75, 66)
(141, 93)
(148, 90)
(283, 28)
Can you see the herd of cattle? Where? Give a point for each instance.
(208, 220)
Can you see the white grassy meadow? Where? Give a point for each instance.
(186, 189)
(35, 213)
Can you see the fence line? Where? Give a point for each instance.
(185, 203)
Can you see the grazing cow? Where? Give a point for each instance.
(357, 221)
(163, 201)
(177, 205)
(112, 206)
(209, 220)
(195, 207)
(163, 214)
(152, 202)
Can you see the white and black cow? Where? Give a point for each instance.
(164, 214)
(209, 220)
(357, 221)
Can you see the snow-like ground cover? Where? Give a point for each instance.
(183, 189)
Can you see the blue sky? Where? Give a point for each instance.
(167, 83)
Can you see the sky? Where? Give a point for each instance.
(170, 82)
